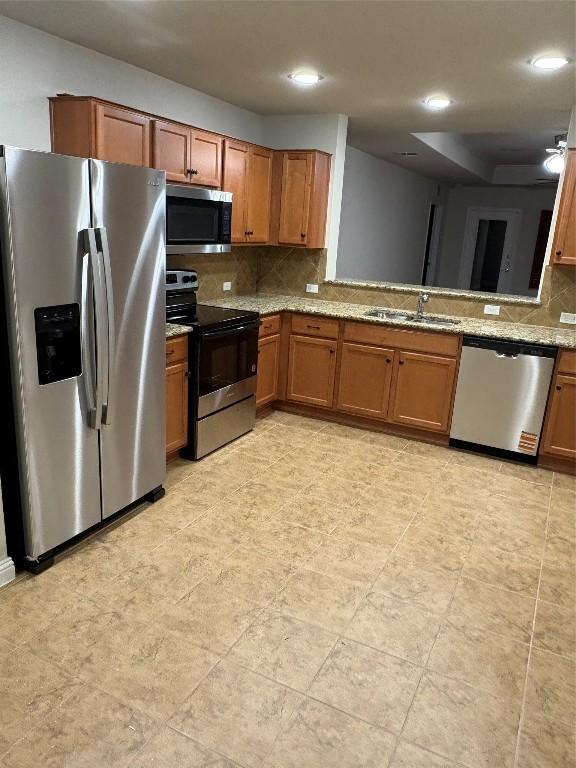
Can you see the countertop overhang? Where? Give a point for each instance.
(267, 304)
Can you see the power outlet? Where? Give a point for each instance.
(227, 286)
(491, 309)
(568, 317)
(311, 288)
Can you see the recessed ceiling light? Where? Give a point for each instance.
(306, 78)
(437, 102)
(549, 62)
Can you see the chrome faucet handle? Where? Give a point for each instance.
(424, 297)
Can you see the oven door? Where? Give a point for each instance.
(227, 361)
(197, 220)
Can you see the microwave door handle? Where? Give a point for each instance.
(110, 364)
(97, 286)
(88, 352)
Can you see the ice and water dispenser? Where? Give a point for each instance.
(58, 345)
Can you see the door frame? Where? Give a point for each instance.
(513, 217)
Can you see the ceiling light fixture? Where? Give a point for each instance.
(554, 163)
(549, 63)
(437, 102)
(306, 78)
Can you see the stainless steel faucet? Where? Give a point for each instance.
(422, 299)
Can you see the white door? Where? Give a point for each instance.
(489, 249)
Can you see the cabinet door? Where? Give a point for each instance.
(564, 247)
(259, 192)
(311, 371)
(205, 158)
(171, 150)
(176, 406)
(422, 391)
(560, 434)
(236, 181)
(295, 197)
(267, 382)
(122, 136)
(365, 378)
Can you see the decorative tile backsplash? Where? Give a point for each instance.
(286, 271)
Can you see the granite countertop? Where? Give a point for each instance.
(176, 330)
(269, 304)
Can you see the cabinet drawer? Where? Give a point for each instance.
(310, 325)
(567, 362)
(269, 325)
(417, 341)
(176, 349)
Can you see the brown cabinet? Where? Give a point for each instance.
(176, 394)
(422, 391)
(268, 359)
(186, 154)
(559, 437)
(564, 245)
(248, 175)
(89, 128)
(301, 198)
(365, 380)
(311, 371)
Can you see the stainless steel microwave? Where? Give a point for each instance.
(197, 220)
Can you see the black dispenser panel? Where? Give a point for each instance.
(58, 342)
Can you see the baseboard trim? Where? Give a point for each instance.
(557, 464)
(7, 571)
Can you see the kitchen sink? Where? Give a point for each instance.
(383, 314)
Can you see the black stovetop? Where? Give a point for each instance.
(203, 317)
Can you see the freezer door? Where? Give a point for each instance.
(45, 206)
(128, 214)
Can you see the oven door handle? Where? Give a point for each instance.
(232, 330)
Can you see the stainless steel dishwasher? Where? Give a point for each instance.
(501, 397)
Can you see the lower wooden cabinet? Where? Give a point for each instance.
(365, 380)
(422, 391)
(268, 360)
(311, 371)
(559, 438)
(176, 394)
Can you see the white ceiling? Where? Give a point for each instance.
(380, 58)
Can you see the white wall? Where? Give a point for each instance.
(36, 65)
(530, 201)
(384, 220)
(6, 565)
(324, 132)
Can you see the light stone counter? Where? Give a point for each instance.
(176, 330)
(270, 304)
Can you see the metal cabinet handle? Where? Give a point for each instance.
(558, 253)
(302, 235)
(558, 387)
(332, 351)
(169, 352)
(193, 171)
(401, 362)
(313, 327)
(388, 360)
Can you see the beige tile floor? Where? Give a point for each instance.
(313, 596)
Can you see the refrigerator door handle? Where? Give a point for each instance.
(102, 242)
(87, 337)
(95, 259)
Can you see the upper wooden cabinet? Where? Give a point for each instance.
(186, 154)
(248, 175)
(564, 246)
(301, 181)
(89, 128)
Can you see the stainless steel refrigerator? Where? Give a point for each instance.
(83, 272)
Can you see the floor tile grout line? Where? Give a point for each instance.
(525, 687)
